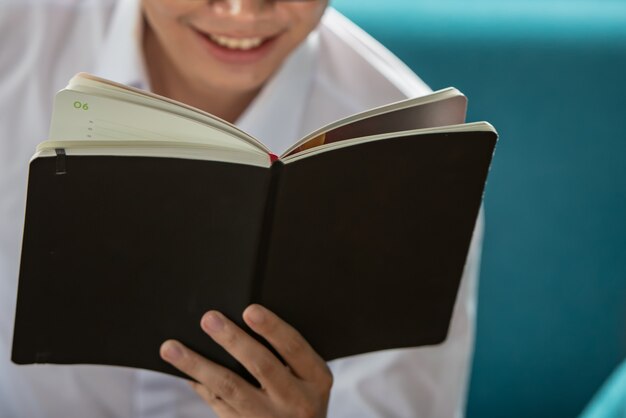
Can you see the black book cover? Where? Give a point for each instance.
(121, 253)
(360, 248)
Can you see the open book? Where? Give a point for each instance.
(143, 213)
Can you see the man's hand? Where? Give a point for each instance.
(300, 389)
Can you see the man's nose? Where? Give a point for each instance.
(241, 7)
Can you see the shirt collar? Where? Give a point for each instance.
(121, 56)
(275, 115)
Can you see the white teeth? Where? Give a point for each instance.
(236, 43)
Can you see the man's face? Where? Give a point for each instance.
(230, 44)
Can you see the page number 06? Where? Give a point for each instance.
(80, 105)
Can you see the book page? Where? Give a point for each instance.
(160, 149)
(464, 127)
(78, 116)
(441, 108)
(90, 84)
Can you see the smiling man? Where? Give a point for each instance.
(217, 58)
(277, 69)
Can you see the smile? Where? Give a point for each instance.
(243, 44)
(238, 49)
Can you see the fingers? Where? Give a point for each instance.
(221, 385)
(301, 358)
(283, 394)
(256, 358)
(215, 402)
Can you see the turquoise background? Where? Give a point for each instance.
(551, 77)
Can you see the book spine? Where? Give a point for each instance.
(266, 231)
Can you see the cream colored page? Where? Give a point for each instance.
(90, 84)
(151, 149)
(465, 127)
(79, 116)
(443, 107)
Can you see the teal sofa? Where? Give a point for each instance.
(551, 76)
(610, 401)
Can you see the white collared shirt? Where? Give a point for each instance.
(339, 70)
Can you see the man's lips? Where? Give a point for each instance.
(237, 42)
(237, 49)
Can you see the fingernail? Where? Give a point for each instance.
(256, 314)
(213, 321)
(172, 351)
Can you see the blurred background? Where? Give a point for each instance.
(551, 77)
